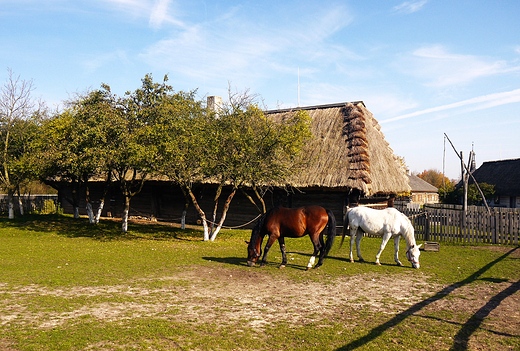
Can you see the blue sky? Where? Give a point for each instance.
(423, 67)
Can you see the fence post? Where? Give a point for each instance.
(426, 227)
(494, 231)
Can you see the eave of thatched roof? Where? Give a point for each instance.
(503, 175)
(348, 151)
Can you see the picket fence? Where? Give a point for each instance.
(447, 223)
(44, 204)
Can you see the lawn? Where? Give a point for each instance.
(68, 285)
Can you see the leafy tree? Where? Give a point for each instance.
(432, 176)
(18, 118)
(474, 197)
(136, 153)
(448, 193)
(251, 149)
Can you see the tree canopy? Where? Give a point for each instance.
(157, 132)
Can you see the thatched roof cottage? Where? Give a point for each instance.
(348, 153)
(349, 160)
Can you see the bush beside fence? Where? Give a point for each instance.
(439, 223)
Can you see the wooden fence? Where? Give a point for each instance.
(44, 204)
(447, 223)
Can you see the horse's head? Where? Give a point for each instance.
(252, 254)
(412, 254)
(254, 247)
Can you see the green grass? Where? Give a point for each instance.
(39, 254)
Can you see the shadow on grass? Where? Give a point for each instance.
(105, 230)
(235, 261)
(461, 340)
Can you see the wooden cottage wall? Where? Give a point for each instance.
(165, 201)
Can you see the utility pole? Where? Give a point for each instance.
(464, 178)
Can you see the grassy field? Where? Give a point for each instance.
(67, 285)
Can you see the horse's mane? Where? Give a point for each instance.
(257, 229)
(409, 233)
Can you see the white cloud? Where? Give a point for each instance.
(410, 6)
(91, 65)
(477, 103)
(233, 46)
(158, 12)
(440, 68)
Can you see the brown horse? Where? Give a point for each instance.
(280, 223)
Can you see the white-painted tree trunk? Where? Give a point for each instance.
(11, 208)
(20, 205)
(183, 220)
(99, 211)
(224, 214)
(76, 212)
(90, 213)
(124, 224)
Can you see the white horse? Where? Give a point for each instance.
(388, 223)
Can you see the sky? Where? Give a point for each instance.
(424, 68)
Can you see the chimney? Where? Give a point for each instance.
(215, 104)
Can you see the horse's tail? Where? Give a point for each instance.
(331, 231)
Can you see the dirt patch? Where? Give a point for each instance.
(258, 299)
(224, 295)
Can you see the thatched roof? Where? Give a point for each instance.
(419, 185)
(504, 175)
(348, 151)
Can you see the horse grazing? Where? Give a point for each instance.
(280, 223)
(388, 223)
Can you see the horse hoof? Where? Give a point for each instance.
(281, 266)
(262, 265)
(361, 260)
(351, 261)
(317, 266)
(307, 268)
(400, 264)
(377, 263)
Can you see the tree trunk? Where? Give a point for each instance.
(108, 180)
(183, 220)
(10, 201)
(201, 214)
(99, 210)
(186, 205)
(224, 213)
(90, 213)
(20, 202)
(215, 208)
(124, 221)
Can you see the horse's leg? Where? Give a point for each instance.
(386, 237)
(353, 231)
(322, 249)
(359, 236)
(396, 245)
(270, 242)
(281, 241)
(317, 248)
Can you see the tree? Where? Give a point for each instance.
(16, 109)
(236, 146)
(251, 149)
(474, 197)
(136, 153)
(448, 193)
(432, 176)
